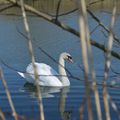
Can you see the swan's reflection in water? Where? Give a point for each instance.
(48, 92)
(65, 114)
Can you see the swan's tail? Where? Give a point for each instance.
(21, 74)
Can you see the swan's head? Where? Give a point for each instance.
(66, 56)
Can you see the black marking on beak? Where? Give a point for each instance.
(70, 59)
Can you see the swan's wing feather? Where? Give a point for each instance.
(46, 70)
(47, 75)
(42, 69)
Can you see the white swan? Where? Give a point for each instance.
(47, 75)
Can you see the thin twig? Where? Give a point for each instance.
(102, 25)
(94, 2)
(32, 59)
(65, 13)
(58, 9)
(116, 72)
(94, 29)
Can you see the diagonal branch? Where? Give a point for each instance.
(6, 7)
(64, 27)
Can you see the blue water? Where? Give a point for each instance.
(59, 103)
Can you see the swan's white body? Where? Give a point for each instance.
(47, 75)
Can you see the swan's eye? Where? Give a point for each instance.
(69, 57)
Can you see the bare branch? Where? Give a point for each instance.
(6, 7)
(94, 2)
(65, 27)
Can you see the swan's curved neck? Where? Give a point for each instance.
(64, 79)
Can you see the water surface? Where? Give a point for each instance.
(59, 103)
